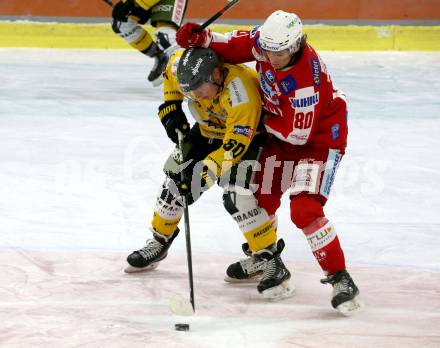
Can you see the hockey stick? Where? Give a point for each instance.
(186, 221)
(208, 21)
(109, 2)
(217, 15)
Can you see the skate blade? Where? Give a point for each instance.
(251, 280)
(352, 307)
(131, 269)
(282, 291)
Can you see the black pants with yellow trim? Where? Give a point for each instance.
(238, 199)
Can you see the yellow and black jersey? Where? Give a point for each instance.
(233, 115)
(146, 4)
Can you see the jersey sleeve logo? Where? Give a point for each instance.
(237, 92)
(243, 130)
(179, 11)
(270, 77)
(288, 85)
(267, 89)
(316, 72)
(335, 131)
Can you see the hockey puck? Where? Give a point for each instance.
(181, 327)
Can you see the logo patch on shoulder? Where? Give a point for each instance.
(243, 130)
(335, 131)
(288, 85)
(237, 92)
(316, 72)
(270, 77)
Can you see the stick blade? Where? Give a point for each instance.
(180, 306)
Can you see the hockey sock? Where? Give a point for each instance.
(261, 237)
(325, 245)
(167, 212)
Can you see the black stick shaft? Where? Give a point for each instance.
(217, 15)
(109, 2)
(189, 253)
(187, 229)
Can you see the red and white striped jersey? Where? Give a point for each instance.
(303, 105)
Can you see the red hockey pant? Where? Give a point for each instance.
(308, 174)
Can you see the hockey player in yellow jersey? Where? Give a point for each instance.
(222, 146)
(164, 15)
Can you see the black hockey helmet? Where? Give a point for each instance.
(195, 67)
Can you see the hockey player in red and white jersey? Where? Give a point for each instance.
(307, 117)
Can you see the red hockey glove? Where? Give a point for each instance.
(186, 36)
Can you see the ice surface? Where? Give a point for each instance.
(80, 164)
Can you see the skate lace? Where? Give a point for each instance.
(342, 286)
(270, 269)
(151, 249)
(252, 265)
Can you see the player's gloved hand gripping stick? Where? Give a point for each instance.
(193, 34)
(176, 307)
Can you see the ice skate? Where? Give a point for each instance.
(345, 297)
(247, 270)
(165, 46)
(166, 40)
(160, 63)
(151, 254)
(275, 284)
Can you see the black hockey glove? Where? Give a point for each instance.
(184, 187)
(172, 117)
(180, 187)
(122, 10)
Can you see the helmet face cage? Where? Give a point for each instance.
(195, 67)
(281, 31)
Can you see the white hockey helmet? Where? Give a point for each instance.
(281, 31)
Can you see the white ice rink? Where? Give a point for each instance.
(81, 151)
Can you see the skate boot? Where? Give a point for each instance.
(247, 270)
(151, 254)
(160, 63)
(274, 284)
(166, 40)
(345, 293)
